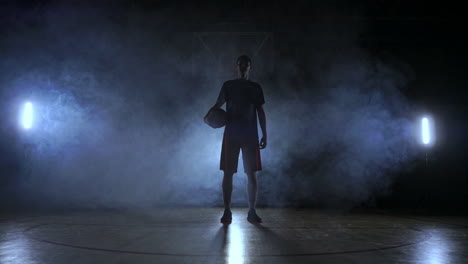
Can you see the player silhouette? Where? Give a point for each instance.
(244, 99)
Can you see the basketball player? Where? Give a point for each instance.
(244, 100)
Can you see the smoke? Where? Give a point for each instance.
(119, 104)
(344, 145)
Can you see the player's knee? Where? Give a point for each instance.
(228, 174)
(251, 175)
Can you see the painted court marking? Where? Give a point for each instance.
(28, 230)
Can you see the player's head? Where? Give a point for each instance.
(243, 65)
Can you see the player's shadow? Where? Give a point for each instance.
(219, 245)
(277, 245)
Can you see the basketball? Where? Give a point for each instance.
(216, 118)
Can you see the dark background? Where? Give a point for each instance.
(166, 60)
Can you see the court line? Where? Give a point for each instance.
(422, 219)
(27, 230)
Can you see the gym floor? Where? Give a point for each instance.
(194, 235)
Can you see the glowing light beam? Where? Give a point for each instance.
(235, 246)
(425, 131)
(27, 116)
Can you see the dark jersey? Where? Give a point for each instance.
(241, 97)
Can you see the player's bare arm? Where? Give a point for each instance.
(217, 105)
(262, 121)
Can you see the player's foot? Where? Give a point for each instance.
(227, 217)
(252, 217)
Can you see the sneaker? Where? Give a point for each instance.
(227, 217)
(252, 217)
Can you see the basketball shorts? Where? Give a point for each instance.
(230, 154)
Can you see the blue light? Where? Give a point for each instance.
(235, 245)
(27, 115)
(426, 133)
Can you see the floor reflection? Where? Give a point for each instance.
(235, 245)
(436, 250)
(229, 241)
(14, 248)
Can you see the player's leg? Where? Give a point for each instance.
(252, 189)
(227, 189)
(229, 158)
(252, 164)
(227, 193)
